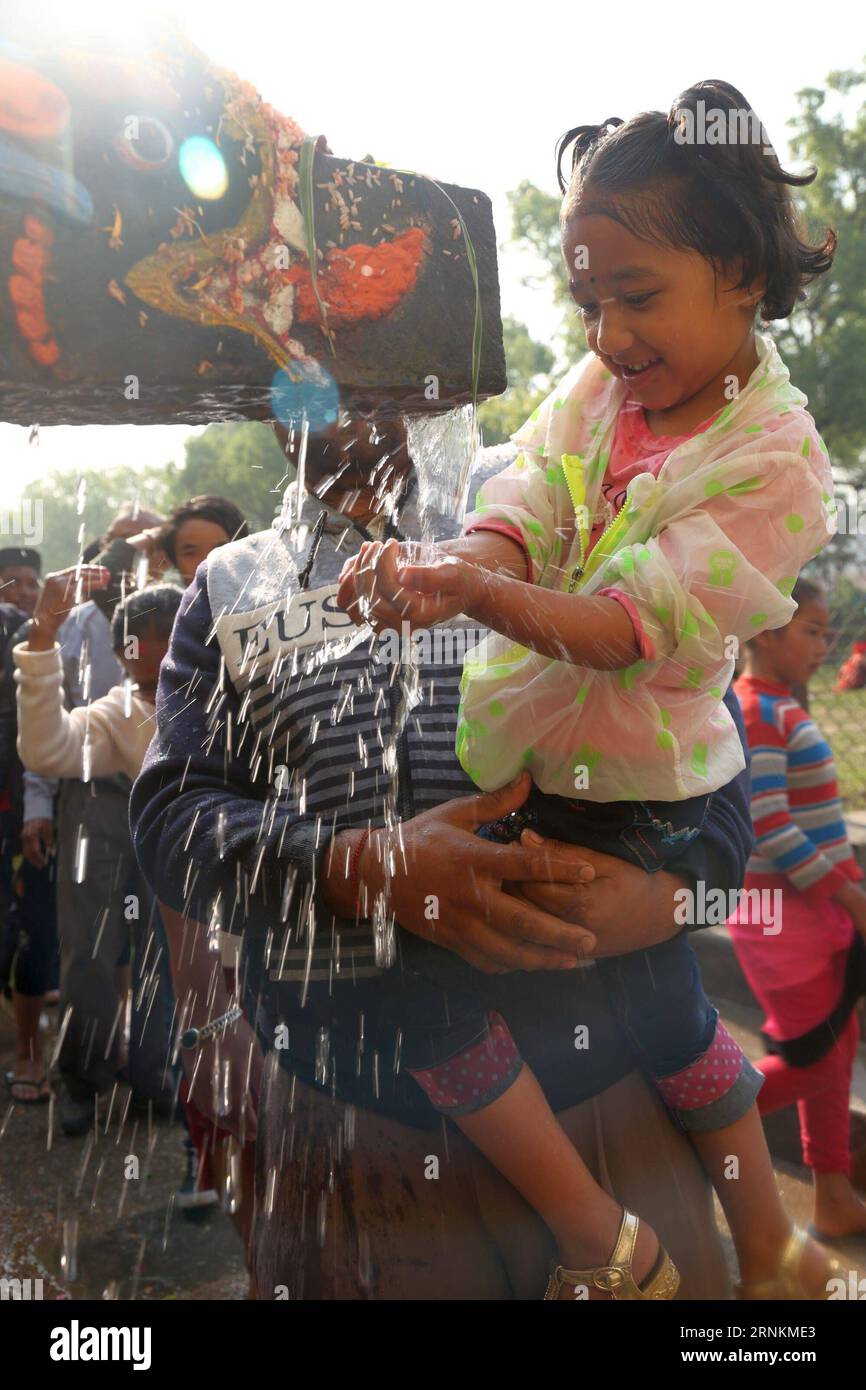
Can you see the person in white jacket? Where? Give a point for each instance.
(112, 734)
(103, 738)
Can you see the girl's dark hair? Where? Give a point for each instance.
(806, 591)
(729, 201)
(204, 508)
(147, 610)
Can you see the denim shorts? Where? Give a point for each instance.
(650, 834)
(656, 995)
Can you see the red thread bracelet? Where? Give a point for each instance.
(354, 864)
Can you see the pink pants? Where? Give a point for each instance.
(822, 1091)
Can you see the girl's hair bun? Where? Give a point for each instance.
(713, 124)
(583, 138)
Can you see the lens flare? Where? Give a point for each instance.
(317, 400)
(202, 167)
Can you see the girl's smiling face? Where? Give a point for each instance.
(659, 319)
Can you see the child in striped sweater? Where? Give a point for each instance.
(808, 975)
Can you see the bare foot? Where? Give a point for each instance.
(839, 1213)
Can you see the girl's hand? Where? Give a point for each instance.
(440, 589)
(60, 594)
(373, 588)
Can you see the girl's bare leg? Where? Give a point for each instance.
(838, 1210)
(738, 1164)
(29, 1061)
(520, 1136)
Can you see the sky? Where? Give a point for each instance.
(472, 93)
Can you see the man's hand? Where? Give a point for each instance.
(37, 842)
(224, 1075)
(60, 593)
(624, 907)
(228, 1098)
(441, 858)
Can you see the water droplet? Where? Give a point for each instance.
(69, 1250)
(80, 868)
(270, 1190)
(232, 1189)
(323, 1052)
(365, 1262)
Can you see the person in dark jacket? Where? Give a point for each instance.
(29, 963)
(281, 738)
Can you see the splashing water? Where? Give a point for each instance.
(69, 1250)
(323, 1052)
(86, 758)
(270, 1191)
(443, 448)
(80, 867)
(232, 1188)
(213, 926)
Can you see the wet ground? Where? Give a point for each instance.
(69, 1215)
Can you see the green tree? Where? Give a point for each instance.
(535, 227)
(532, 366)
(241, 461)
(824, 341)
(528, 366)
(76, 509)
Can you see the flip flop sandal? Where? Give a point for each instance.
(38, 1099)
(616, 1278)
(787, 1283)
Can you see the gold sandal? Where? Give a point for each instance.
(786, 1283)
(616, 1278)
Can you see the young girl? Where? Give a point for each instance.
(808, 976)
(665, 497)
